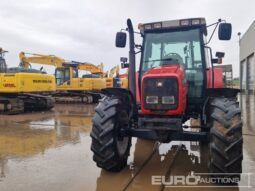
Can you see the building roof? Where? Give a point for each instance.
(249, 28)
(225, 67)
(246, 43)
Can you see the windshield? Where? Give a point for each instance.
(62, 75)
(181, 47)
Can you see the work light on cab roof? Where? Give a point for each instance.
(181, 23)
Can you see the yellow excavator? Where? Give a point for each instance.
(124, 80)
(112, 77)
(70, 87)
(24, 89)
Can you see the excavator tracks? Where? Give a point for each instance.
(20, 103)
(77, 97)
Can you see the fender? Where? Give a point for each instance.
(125, 96)
(222, 92)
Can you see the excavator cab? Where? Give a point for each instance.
(62, 75)
(3, 66)
(66, 73)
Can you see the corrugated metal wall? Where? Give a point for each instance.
(250, 73)
(247, 60)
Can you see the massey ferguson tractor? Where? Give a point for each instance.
(176, 81)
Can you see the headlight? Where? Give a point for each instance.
(152, 99)
(168, 100)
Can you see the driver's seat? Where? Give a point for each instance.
(172, 58)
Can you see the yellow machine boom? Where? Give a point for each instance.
(66, 74)
(40, 59)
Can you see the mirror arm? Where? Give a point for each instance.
(219, 21)
(216, 23)
(213, 31)
(138, 46)
(138, 52)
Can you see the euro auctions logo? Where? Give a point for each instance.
(205, 180)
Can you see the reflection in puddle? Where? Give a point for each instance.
(181, 155)
(75, 109)
(30, 137)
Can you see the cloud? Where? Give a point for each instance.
(84, 30)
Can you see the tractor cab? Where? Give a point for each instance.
(176, 43)
(182, 44)
(179, 43)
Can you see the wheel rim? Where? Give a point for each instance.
(123, 142)
(122, 145)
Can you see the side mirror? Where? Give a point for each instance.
(220, 54)
(123, 59)
(124, 63)
(225, 31)
(121, 38)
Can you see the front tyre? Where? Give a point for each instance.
(110, 148)
(226, 140)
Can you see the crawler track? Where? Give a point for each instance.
(76, 97)
(20, 103)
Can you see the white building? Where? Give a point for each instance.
(247, 60)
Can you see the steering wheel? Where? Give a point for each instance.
(174, 56)
(152, 64)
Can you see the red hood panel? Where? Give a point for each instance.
(174, 70)
(165, 69)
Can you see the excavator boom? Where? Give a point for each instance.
(114, 71)
(25, 62)
(89, 67)
(40, 59)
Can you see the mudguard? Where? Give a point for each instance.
(222, 92)
(126, 96)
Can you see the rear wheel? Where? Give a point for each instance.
(226, 141)
(110, 148)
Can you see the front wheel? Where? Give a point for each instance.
(226, 140)
(110, 148)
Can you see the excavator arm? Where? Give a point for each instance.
(25, 61)
(114, 71)
(91, 68)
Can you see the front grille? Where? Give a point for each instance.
(160, 87)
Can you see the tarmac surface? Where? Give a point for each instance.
(51, 151)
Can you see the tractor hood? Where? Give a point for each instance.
(164, 81)
(163, 70)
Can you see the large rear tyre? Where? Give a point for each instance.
(110, 148)
(226, 141)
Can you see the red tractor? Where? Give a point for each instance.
(176, 81)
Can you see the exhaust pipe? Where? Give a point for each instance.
(131, 72)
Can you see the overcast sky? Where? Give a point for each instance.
(84, 30)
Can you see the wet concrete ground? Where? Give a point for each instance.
(51, 151)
